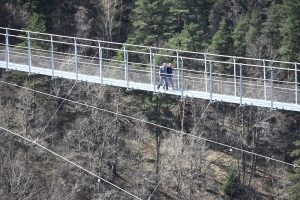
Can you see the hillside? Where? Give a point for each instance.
(131, 153)
(134, 139)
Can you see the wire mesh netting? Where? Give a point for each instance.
(192, 71)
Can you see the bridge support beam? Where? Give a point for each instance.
(182, 78)
(210, 81)
(127, 70)
(100, 62)
(205, 71)
(52, 56)
(296, 84)
(125, 66)
(7, 49)
(265, 91)
(154, 73)
(272, 89)
(241, 85)
(151, 70)
(234, 75)
(177, 57)
(29, 53)
(76, 58)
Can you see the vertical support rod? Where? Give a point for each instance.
(205, 72)
(52, 55)
(127, 70)
(272, 89)
(100, 63)
(210, 81)
(151, 71)
(241, 85)
(234, 75)
(177, 54)
(296, 84)
(154, 77)
(7, 49)
(265, 91)
(29, 53)
(76, 58)
(182, 78)
(125, 66)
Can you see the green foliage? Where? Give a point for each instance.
(254, 30)
(229, 187)
(253, 34)
(18, 77)
(290, 44)
(40, 84)
(153, 22)
(191, 38)
(157, 110)
(222, 40)
(271, 27)
(222, 44)
(295, 176)
(36, 24)
(238, 36)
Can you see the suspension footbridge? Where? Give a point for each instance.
(244, 81)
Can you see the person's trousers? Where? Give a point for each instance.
(163, 78)
(170, 78)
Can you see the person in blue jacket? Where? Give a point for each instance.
(163, 76)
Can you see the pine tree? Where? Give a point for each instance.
(290, 45)
(222, 44)
(271, 30)
(295, 177)
(153, 23)
(222, 40)
(191, 38)
(238, 36)
(36, 24)
(253, 36)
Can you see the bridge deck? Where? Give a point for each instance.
(149, 87)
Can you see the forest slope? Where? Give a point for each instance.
(131, 153)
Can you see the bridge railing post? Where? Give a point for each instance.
(52, 56)
(125, 66)
(210, 81)
(205, 72)
(151, 71)
(100, 62)
(296, 84)
(265, 91)
(178, 76)
(29, 53)
(182, 77)
(241, 85)
(76, 58)
(234, 75)
(272, 89)
(7, 48)
(154, 73)
(127, 69)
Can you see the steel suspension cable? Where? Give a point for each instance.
(167, 128)
(55, 112)
(65, 159)
(179, 150)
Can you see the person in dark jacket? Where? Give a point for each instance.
(163, 76)
(170, 75)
